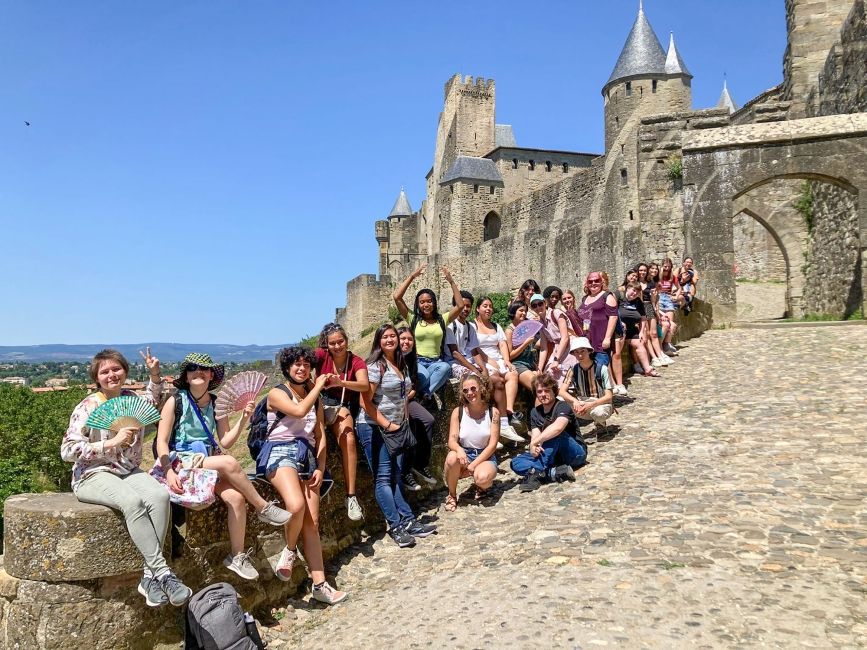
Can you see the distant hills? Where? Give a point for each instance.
(167, 352)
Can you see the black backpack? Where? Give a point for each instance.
(259, 428)
(215, 621)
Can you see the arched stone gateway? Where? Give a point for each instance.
(729, 171)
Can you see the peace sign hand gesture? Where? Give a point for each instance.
(152, 363)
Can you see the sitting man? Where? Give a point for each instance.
(588, 389)
(556, 445)
(462, 343)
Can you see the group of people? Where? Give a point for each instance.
(572, 366)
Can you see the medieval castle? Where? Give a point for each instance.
(773, 185)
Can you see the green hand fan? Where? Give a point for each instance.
(123, 411)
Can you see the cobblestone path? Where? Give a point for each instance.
(728, 511)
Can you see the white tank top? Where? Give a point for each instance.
(290, 428)
(475, 433)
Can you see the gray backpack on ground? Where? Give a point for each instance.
(215, 621)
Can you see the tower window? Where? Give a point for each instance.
(653, 86)
(548, 166)
(565, 168)
(476, 188)
(630, 215)
(629, 89)
(532, 165)
(624, 177)
(452, 188)
(514, 163)
(492, 189)
(491, 226)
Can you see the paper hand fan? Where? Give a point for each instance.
(525, 330)
(238, 392)
(124, 411)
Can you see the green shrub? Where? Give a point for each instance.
(674, 166)
(804, 204)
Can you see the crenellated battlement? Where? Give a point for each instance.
(469, 85)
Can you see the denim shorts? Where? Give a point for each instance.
(295, 454)
(473, 453)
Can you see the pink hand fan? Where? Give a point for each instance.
(238, 391)
(525, 330)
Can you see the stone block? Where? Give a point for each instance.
(8, 585)
(55, 537)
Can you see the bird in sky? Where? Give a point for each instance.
(26, 123)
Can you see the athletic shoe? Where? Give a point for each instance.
(667, 360)
(530, 482)
(327, 594)
(509, 433)
(656, 363)
(516, 418)
(425, 475)
(353, 509)
(274, 514)
(150, 588)
(668, 348)
(283, 570)
(438, 401)
(409, 482)
(562, 473)
(176, 591)
(241, 565)
(622, 390)
(418, 529)
(499, 446)
(402, 538)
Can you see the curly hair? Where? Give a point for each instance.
(287, 356)
(484, 392)
(327, 330)
(545, 380)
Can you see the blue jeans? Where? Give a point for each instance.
(602, 358)
(562, 450)
(386, 475)
(432, 375)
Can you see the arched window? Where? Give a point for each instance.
(492, 226)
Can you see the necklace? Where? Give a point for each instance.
(199, 399)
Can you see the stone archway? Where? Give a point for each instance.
(726, 172)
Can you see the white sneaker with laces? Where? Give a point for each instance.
(353, 509)
(274, 514)
(283, 570)
(509, 433)
(656, 363)
(667, 360)
(327, 594)
(241, 565)
(622, 390)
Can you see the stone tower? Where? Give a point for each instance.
(645, 81)
(466, 128)
(398, 239)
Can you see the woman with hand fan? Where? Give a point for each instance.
(521, 334)
(293, 460)
(341, 398)
(197, 431)
(106, 472)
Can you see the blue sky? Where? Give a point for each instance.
(210, 171)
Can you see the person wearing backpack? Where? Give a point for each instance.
(106, 472)
(341, 399)
(196, 431)
(386, 413)
(588, 389)
(474, 430)
(293, 460)
(429, 328)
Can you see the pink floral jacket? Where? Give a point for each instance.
(85, 447)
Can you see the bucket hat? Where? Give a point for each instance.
(204, 361)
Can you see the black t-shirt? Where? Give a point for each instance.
(645, 293)
(630, 313)
(540, 420)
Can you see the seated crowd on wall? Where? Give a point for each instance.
(565, 349)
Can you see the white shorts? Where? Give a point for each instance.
(497, 365)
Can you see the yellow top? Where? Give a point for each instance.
(429, 338)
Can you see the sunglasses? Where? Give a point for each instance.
(193, 367)
(594, 281)
(537, 303)
(469, 389)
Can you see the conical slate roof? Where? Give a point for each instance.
(642, 53)
(673, 63)
(401, 206)
(725, 99)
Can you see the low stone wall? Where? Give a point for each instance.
(70, 572)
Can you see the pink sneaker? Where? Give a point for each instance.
(283, 570)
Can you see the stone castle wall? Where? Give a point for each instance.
(757, 255)
(842, 84)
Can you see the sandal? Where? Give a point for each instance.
(652, 373)
(451, 503)
(480, 494)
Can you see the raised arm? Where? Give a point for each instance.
(456, 294)
(401, 291)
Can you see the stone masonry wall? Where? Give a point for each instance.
(842, 85)
(833, 267)
(757, 255)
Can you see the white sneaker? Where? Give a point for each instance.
(353, 509)
(657, 363)
(274, 514)
(499, 446)
(620, 389)
(327, 594)
(667, 360)
(241, 565)
(283, 570)
(509, 433)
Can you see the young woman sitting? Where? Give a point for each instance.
(523, 356)
(473, 434)
(429, 328)
(635, 323)
(198, 432)
(525, 293)
(669, 294)
(420, 419)
(620, 337)
(341, 398)
(106, 472)
(293, 460)
(556, 335)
